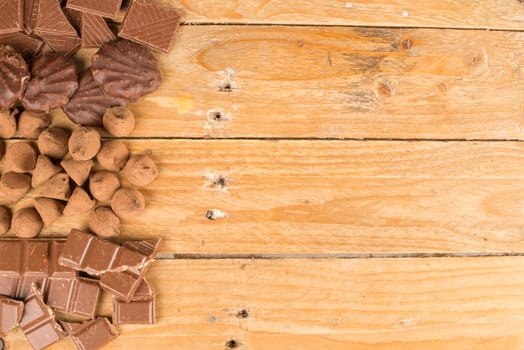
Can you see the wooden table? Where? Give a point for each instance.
(334, 175)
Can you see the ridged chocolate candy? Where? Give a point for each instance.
(14, 75)
(53, 81)
(89, 103)
(125, 70)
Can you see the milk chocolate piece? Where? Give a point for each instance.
(26, 45)
(13, 76)
(11, 16)
(125, 70)
(89, 103)
(91, 335)
(149, 24)
(10, 314)
(103, 8)
(30, 15)
(140, 310)
(72, 296)
(64, 44)
(51, 20)
(53, 81)
(93, 29)
(38, 322)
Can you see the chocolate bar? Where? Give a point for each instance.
(91, 335)
(51, 20)
(11, 16)
(72, 296)
(103, 8)
(93, 29)
(38, 322)
(140, 310)
(10, 314)
(121, 268)
(26, 45)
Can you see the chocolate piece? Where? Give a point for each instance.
(13, 76)
(15, 186)
(53, 142)
(23, 262)
(79, 203)
(11, 16)
(20, 157)
(113, 155)
(103, 185)
(140, 310)
(91, 335)
(103, 222)
(103, 8)
(89, 103)
(149, 24)
(119, 121)
(30, 15)
(140, 170)
(72, 296)
(7, 124)
(44, 170)
(27, 45)
(128, 203)
(51, 19)
(125, 70)
(56, 187)
(31, 124)
(38, 322)
(93, 29)
(10, 314)
(63, 44)
(49, 209)
(53, 82)
(121, 268)
(26, 223)
(84, 143)
(78, 170)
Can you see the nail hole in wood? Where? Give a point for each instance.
(243, 313)
(221, 181)
(210, 215)
(226, 87)
(232, 344)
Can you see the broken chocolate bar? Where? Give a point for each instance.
(140, 310)
(149, 24)
(38, 322)
(10, 314)
(30, 15)
(121, 268)
(13, 76)
(52, 20)
(91, 335)
(11, 16)
(72, 296)
(94, 30)
(64, 44)
(103, 8)
(26, 45)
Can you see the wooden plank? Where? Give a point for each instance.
(298, 82)
(432, 303)
(500, 14)
(304, 197)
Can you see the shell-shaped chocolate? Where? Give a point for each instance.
(53, 81)
(125, 70)
(14, 75)
(89, 103)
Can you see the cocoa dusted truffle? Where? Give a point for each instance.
(56, 187)
(26, 223)
(78, 170)
(20, 157)
(119, 121)
(53, 142)
(14, 76)
(128, 203)
(5, 220)
(103, 185)
(140, 170)
(113, 155)
(44, 170)
(49, 209)
(7, 124)
(79, 203)
(104, 222)
(84, 143)
(31, 124)
(15, 186)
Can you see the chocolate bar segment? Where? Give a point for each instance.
(72, 296)
(26, 45)
(91, 335)
(11, 16)
(51, 19)
(30, 15)
(149, 24)
(103, 8)
(10, 314)
(38, 322)
(140, 310)
(64, 44)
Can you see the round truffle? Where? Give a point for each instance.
(15, 186)
(20, 157)
(26, 223)
(7, 124)
(128, 203)
(113, 155)
(52, 142)
(140, 170)
(14, 76)
(104, 222)
(5, 220)
(119, 121)
(31, 124)
(103, 185)
(84, 143)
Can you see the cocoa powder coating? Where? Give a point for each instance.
(140, 170)
(26, 223)
(31, 124)
(128, 203)
(7, 124)
(104, 222)
(113, 155)
(79, 203)
(44, 170)
(119, 121)
(103, 185)
(84, 143)
(20, 157)
(49, 209)
(53, 142)
(15, 186)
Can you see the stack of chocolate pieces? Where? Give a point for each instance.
(27, 24)
(41, 276)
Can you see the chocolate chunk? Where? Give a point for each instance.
(38, 322)
(103, 8)
(10, 314)
(149, 24)
(51, 20)
(75, 296)
(140, 310)
(53, 81)
(14, 76)
(30, 15)
(64, 44)
(11, 16)
(92, 334)
(89, 103)
(93, 29)
(27, 45)
(49, 209)
(125, 70)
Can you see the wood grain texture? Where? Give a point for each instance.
(443, 303)
(305, 197)
(311, 82)
(500, 14)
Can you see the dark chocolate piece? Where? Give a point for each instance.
(11, 16)
(72, 296)
(121, 268)
(63, 44)
(53, 81)
(10, 314)
(14, 75)
(38, 322)
(51, 19)
(125, 70)
(91, 335)
(149, 24)
(102, 8)
(89, 103)
(24, 262)
(140, 310)
(27, 45)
